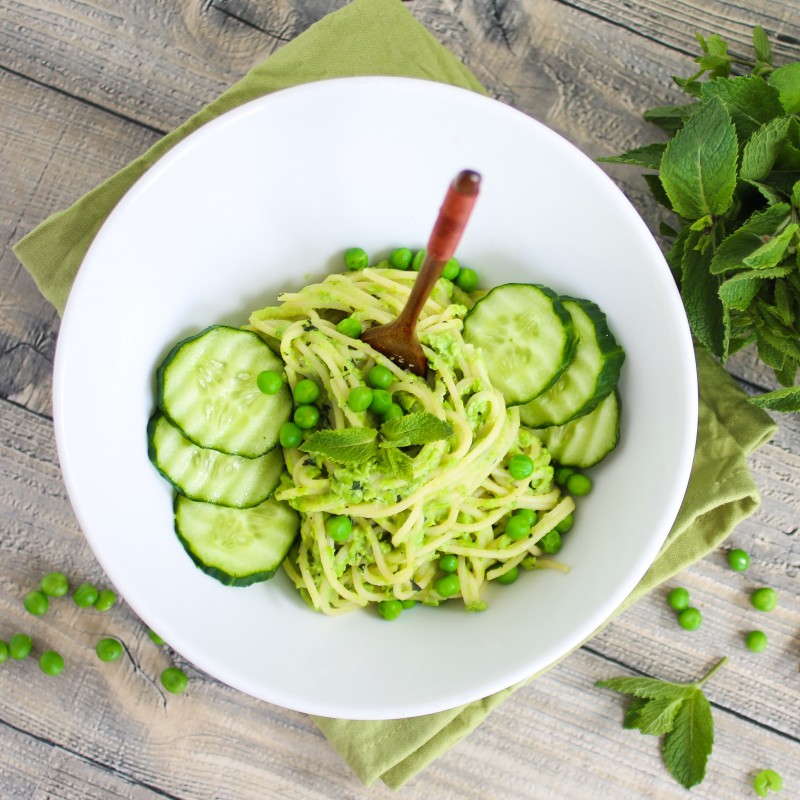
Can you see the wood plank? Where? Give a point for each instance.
(156, 63)
(53, 150)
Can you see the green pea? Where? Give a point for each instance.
(390, 609)
(579, 484)
(550, 543)
(756, 641)
(55, 584)
(451, 269)
(401, 258)
(109, 649)
(356, 258)
(35, 603)
(418, 260)
(306, 416)
(561, 475)
(394, 411)
(448, 585)
(105, 600)
(467, 279)
(409, 603)
(290, 435)
(678, 598)
(351, 327)
(305, 391)
(765, 780)
(269, 381)
(85, 595)
(339, 528)
(764, 599)
(566, 524)
(448, 563)
(3, 652)
(508, 577)
(517, 527)
(520, 467)
(381, 401)
(359, 398)
(380, 377)
(20, 646)
(51, 663)
(155, 637)
(529, 515)
(690, 619)
(738, 560)
(174, 680)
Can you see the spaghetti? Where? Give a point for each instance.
(457, 494)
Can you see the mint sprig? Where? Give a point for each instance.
(418, 428)
(348, 446)
(354, 447)
(730, 171)
(678, 711)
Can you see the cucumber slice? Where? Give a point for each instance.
(208, 475)
(237, 546)
(527, 338)
(591, 376)
(207, 388)
(587, 440)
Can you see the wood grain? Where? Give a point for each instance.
(86, 87)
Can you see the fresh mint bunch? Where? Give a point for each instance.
(678, 711)
(730, 171)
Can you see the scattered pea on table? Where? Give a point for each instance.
(764, 599)
(690, 619)
(756, 641)
(738, 560)
(35, 603)
(109, 649)
(106, 599)
(85, 595)
(174, 680)
(20, 646)
(678, 598)
(51, 663)
(55, 584)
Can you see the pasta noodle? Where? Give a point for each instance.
(460, 491)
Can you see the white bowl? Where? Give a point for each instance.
(265, 199)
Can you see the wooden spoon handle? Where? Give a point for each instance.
(445, 236)
(453, 215)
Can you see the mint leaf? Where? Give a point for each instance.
(749, 100)
(687, 746)
(771, 252)
(420, 427)
(765, 780)
(787, 81)
(761, 45)
(348, 446)
(787, 375)
(739, 291)
(762, 151)
(399, 464)
(648, 156)
(658, 716)
(633, 712)
(700, 294)
(733, 250)
(698, 168)
(670, 118)
(785, 400)
(649, 688)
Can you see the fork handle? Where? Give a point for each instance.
(445, 236)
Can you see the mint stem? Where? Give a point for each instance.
(713, 669)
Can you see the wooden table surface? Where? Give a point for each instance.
(86, 86)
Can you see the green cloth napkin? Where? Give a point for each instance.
(380, 37)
